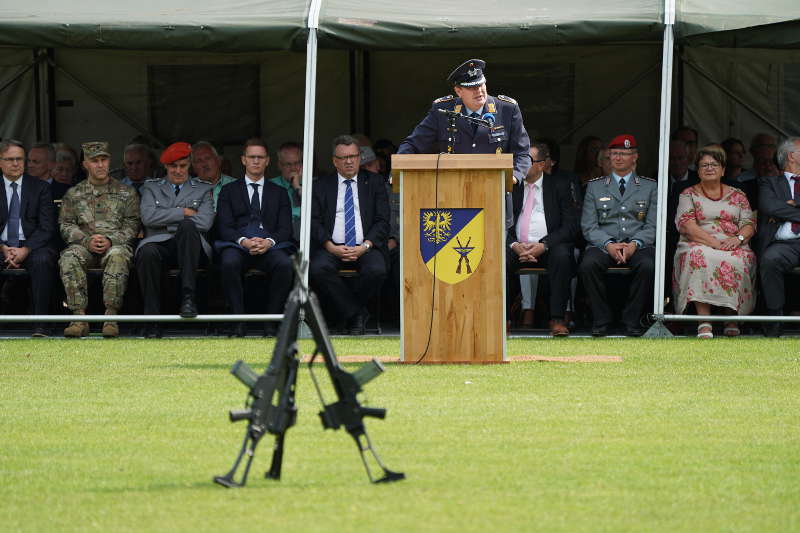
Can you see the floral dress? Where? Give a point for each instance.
(723, 278)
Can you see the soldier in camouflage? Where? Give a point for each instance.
(99, 219)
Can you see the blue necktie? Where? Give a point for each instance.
(177, 190)
(622, 187)
(349, 215)
(255, 204)
(13, 218)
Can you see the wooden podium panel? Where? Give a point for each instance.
(466, 320)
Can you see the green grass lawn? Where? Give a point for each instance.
(125, 435)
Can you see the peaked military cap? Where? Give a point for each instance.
(94, 149)
(468, 74)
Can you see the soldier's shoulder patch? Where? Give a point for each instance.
(598, 178)
(506, 99)
(648, 179)
(443, 99)
(152, 180)
(202, 181)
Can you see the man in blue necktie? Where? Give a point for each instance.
(27, 227)
(254, 226)
(349, 227)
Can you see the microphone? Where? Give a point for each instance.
(489, 117)
(478, 121)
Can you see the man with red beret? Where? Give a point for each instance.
(176, 213)
(619, 224)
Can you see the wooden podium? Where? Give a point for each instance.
(458, 316)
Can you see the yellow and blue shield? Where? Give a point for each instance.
(451, 242)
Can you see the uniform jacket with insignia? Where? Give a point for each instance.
(161, 210)
(111, 210)
(508, 133)
(607, 216)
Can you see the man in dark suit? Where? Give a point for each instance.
(680, 177)
(349, 226)
(778, 237)
(176, 214)
(543, 233)
(254, 225)
(27, 227)
(505, 134)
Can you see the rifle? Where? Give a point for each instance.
(270, 405)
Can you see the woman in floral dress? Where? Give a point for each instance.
(714, 265)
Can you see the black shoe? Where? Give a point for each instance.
(355, 326)
(152, 331)
(773, 329)
(188, 307)
(238, 330)
(634, 332)
(270, 329)
(40, 331)
(599, 331)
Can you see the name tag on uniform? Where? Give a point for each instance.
(642, 205)
(605, 199)
(497, 134)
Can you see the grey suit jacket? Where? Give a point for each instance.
(161, 210)
(607, 216)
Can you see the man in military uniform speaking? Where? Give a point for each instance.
(176, 213)
(506, 134)
(619, 224)
(99, 219)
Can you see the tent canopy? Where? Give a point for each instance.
(257, 25)
(236, 26)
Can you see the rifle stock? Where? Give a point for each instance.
(270, 406)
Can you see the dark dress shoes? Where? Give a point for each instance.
(355, 326)
(634, 331)
(270, 329)
(239, 329)
(772, 329)
(599, 331)
(40, 331)
(152, 331)
(188, 307)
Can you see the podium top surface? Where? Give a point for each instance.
(452, 161)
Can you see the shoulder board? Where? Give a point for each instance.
(648, 179)
(506, 99)
(152, 180)
(204, 182)
(596, 179)
(443, 99)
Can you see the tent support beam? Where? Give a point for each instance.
(737, 98)
(308, 132)
(91, 92)
(668, 52)
(611, 101)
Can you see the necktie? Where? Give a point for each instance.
(255, 204)
(177, 189)
(13, 218)
(474, 126)
(527, 210)
(796, 225)
(622, 187)
(349, 215)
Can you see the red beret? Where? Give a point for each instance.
(176, 151)
(623, 141)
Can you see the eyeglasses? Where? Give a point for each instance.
(619, 154)
(538, 160)
(352, 157)
(13, 159)
(709, 165)
(255, 157)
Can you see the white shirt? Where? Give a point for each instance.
(338, 226)
(7, 182)
(785, 232)
(537, 225)
(247, 181)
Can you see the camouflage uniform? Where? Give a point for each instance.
(111, 210)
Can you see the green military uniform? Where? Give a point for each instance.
(111, 210)
(609, 216)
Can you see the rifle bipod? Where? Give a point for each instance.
(270, 405)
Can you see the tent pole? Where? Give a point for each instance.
(663, 155)
(308, 131)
